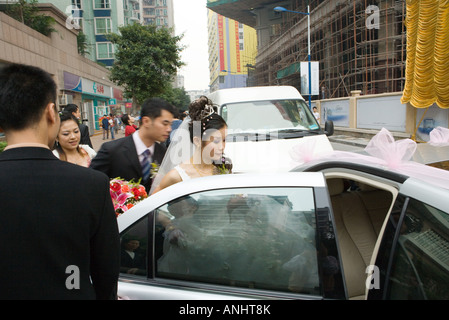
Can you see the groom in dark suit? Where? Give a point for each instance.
(58, 227)
(131, 156)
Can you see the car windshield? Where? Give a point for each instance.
(269, 116)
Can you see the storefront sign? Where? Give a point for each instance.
(72, 82)
(96, 88)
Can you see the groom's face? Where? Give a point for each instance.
(158, 129)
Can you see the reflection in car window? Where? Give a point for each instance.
(421, 263)
(134, 245)
(254, 237)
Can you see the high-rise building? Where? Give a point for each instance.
(232, 52)
(157, 12)
(96, 18)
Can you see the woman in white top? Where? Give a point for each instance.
(207, 132)
(67, 142)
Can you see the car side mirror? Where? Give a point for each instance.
(329, 128)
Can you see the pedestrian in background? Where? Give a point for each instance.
(135, 156)
(85, 135)
(111, 125)
(58, 227)
(105, 126)
(130, 127)
(316, 114)
(117, 123)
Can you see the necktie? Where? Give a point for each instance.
(146, 166)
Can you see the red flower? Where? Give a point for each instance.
(125, 194)
(136, 192)
(116, 187)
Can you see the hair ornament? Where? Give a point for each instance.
(208, 110)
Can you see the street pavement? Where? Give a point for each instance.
(339, 142)
(97, 138)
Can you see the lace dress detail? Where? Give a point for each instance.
(182, 173)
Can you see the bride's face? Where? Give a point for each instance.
(213, 146)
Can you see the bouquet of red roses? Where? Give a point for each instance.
(125, 194)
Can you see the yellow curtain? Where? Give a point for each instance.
(427, 65)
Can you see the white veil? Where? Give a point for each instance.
(180, 150)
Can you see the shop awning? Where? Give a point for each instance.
(427, 64)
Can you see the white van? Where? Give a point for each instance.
(265, 124)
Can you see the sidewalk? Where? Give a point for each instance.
(97, 138)
(360, 137)
(349, 140)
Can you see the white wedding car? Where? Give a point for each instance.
(330, 229)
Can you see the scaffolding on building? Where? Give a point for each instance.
(354, 53)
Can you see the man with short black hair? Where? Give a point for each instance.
(57, 218)
(129, 157)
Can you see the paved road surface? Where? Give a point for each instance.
(340, 143)
(97, 138)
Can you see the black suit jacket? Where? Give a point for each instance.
(85, 136)
(57, 227)
(118, 158)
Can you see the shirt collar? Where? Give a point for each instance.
(29, 144)
(140, 146)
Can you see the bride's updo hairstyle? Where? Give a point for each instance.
(203, 114)
(204, 120)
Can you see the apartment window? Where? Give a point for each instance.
(77, 3)
(105, 50)
(103, 25)
(102, 4)
(77, 23)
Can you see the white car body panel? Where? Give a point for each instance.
(273, 155)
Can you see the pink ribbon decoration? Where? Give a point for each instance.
(394, 153)
(384, 153)
(439, 136)
(302, 152)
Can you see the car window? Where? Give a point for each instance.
(261, 238)
(269, 116)
(420, 268)
(134, 248)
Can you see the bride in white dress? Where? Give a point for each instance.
(197, 148)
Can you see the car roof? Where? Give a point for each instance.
(260, 93)
(375, 166)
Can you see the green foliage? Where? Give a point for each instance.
(27, 12)
(3, 145)
(177, 97)
(146, 59)
(82, 44)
